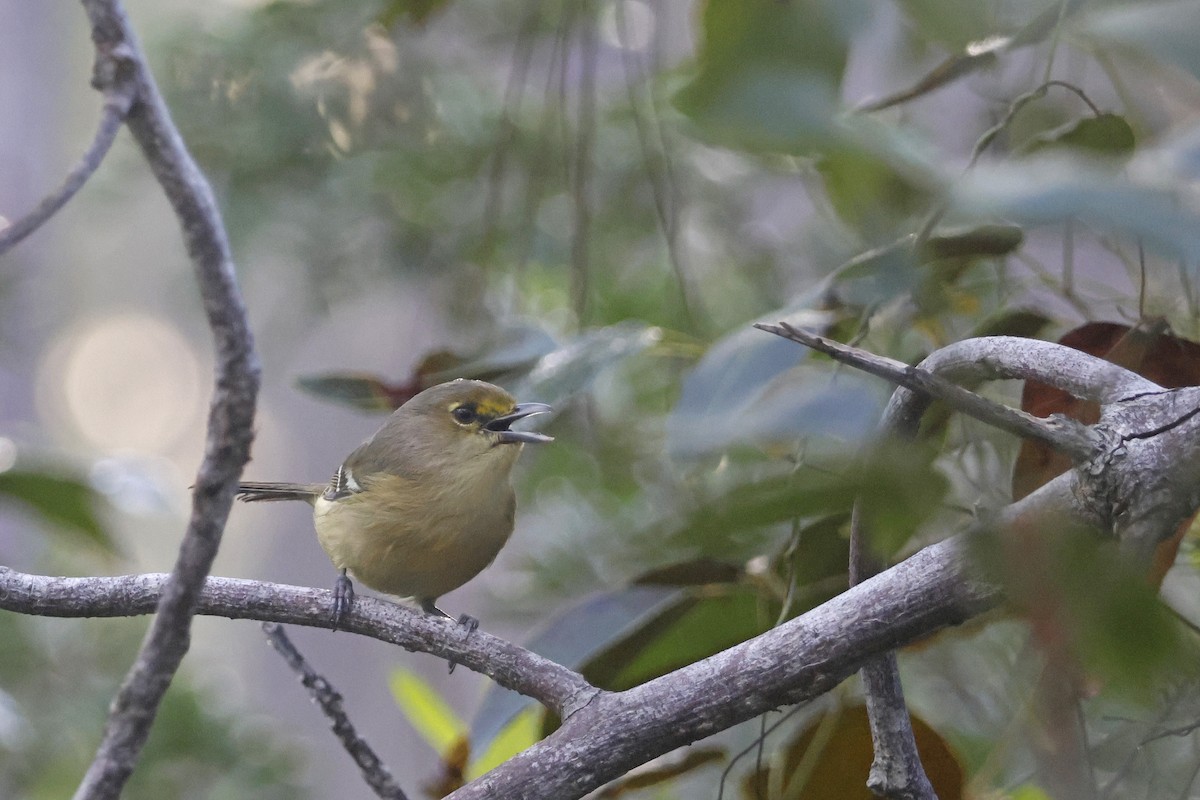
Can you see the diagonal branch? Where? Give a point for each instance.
(119, 93)
(375, 773)
(896, 771)
(231, 413)
(1062, 434)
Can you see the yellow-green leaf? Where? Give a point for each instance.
(426, 711)
(522, 732)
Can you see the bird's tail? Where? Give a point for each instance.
(253, 492)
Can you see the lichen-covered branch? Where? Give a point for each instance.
(513, 667)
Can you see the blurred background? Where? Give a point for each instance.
(589, 202)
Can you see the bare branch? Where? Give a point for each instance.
(375, 773)
(119, 93)
(1061, 433)
(513, 667)
(231, 413)
(896, 771)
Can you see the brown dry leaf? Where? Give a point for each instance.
(1148, 350)
(453, 768)
(832, 756)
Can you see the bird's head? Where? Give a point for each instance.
(464, 419)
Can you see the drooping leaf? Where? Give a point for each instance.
(1106, 135)
(1170, 361)
(358, 390)
(62, 500)
(1090, 610)
(522, 732)
(569, 369)
(571, 638)
(980, 241)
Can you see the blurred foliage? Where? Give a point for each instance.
(612, 202)
(66, 501)
(58, 677)
(606, 194)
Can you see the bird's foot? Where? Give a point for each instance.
(466, 620)
(343, 599)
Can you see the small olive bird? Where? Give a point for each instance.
(426, 503)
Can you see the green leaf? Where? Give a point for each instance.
(571, 367)
(979, 241)
(1169, 32)
(867, 192)
(426, 711)
(1055, 189)
(1017, 322)
(1085, 602)
(1107, 135)
(571, 638)
(419, 12)
(769, 72)
(722, 617)
(65, 501)
(898, 489)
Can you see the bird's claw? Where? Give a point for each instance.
(343, 600)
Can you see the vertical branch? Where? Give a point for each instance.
(658, 165)
(582, 174)
(231, 413)
(513, 94)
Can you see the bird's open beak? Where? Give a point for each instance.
(500, 425)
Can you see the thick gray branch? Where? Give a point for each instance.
(606, 734)
(231, 413)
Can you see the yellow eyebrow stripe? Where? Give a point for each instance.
(487, 408)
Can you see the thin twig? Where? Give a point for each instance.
(374, 771)
(1065, 435)
(118, 99)
(231, 413)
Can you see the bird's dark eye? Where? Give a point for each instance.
(463, 415)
